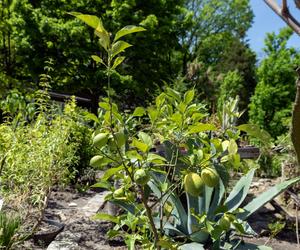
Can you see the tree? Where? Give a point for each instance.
(272, 102)
(284, 13)
(43, 30)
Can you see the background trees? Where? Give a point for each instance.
(271, 105)
(211, 33)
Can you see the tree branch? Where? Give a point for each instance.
(295, 132)
(284, 14)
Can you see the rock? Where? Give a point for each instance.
(63, 245)
(72, 204)
(93, 205)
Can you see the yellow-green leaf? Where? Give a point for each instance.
(90, 20)
(140, 145)
(139, 111)
(107, 217)
(97, 59)
(200, 127)
(119, 47)
(118, 61)
(189, 96)
(104, 39)
(232, 147)
(128, 30)
(110, 172)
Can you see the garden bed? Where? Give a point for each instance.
(81, 232)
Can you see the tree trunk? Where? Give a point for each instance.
(295, 133)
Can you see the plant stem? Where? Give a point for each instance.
(149, 215)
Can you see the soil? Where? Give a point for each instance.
(64, 206)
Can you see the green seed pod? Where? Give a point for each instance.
(193, 184)
(96, 161)
(100, 140)
(224, 222)
(141, 177)
(210, 177)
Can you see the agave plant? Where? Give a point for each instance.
(215, 209)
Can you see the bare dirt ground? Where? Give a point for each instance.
(65, 206)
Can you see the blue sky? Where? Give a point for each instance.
(267, 21)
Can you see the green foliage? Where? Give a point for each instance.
(211, 31)
(51, 149)
(271, 104)
(171, 144)
(36, 157)
(158, 150)
(9, 226)
(42, 30)
(218, 48)
(231, 85)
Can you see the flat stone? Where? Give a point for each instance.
(94, 204)
(63, 245)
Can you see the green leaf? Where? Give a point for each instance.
(112, 233)
(97, 59)
(218, 194)
(102, 184)
(118, 61)
(223, 173)
(155, 158)
(140, 145)
(120, 138)
(177, 118)
(265, 197)
(159, 100)
(106, 217)
(119, 47)
(165, 244)
(104, 39)
(256, 132)
(200, 127)
(91, 116)
(96, 23)
(110, 172)
(189, 96)
(181, 107)
(128, 207)
(192, 246)
(92, 21)
(232, 147)
(153, 114)
(133, 155)
(139, 111)
(104, 105)
(129, 29)
(174, 94)
(145, 138)
(239, 191)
